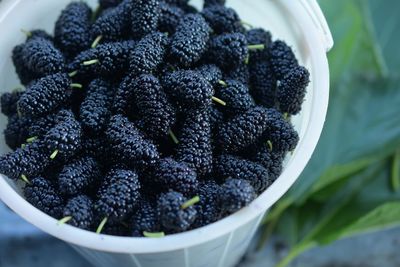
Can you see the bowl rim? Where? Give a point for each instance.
(227, 225)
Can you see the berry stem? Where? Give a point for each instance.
(247, 60)
(269, 143)
(256, 47)
(76, 85)
(27, 33)
(23, 146)
(153, 235)
(64, 220)
(190, 202)
(54, 154)
(221, 82)
(286, 116)
(245, 23)
(173, 136)
(25, 179)
(90, 62)
(96, 41)
(31, 139)
(72, 74)
(219, 101)
(101, 226)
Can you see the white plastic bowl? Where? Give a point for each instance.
(298, 22)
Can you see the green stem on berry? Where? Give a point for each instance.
(76, 85)
(219, 101)
(190, 202)
(223, 83)
(96, 41)
(244, 23)
(101, 226)
(31, 139)
(173, 136)
(72, 74)
(90, 62)
(256, 47)
(54, 154)
(23, 146)
(286, 116)
(247, 60)
(64, 220)
(27, 33)
(17, 89)
(153, 235)
(25, 179)
(269, 143)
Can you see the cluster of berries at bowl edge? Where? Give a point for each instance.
(150, 117)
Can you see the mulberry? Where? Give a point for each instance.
(157, 114)
(95, 109)
(144, 219)
(255, 37)
(29, 161)
(243, 130)
(283, 59)
(45, 95)
(237, 97)
(128, 144)
(174, 216)
(226, 166)
(42, 125)
(175, 176)
(72, 29)
(79, 176)
(144, 15)
(239, 73)
(104, 4)
(8, 102)
(179, 3)
(194, 146)
(211, 73)
(24, 74)
(79, 211)
(213, 2)
(118, 195)
(236, 194)
(280, 132)
(170, 16)
(209, 206)
(123, 101)
(189, 88)
(65, 138)
(222, 19)
(42, 58)
(105, 60)
(292, 90)
(114, 24)
(148, 53)
(41, 194)
(17, 131)
(190, 40)
(228, 50)
(263, 83)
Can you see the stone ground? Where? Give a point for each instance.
(22, 245)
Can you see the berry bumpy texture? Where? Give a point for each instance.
(42, 194)
(156, 113)
(72, 29)
(148, 53)
(227, 166)
(228, 50)
(144, 17)
(150, 117)
(194, 146)
(292, 90)
(95, 109)
(189, 41)
(128, 143)
(236, 194)
(173, 217)
(78, 176)
(45, 95)
(118, 195)
(80, 209)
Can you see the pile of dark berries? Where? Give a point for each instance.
(149, 117)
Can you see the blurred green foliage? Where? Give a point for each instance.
(351, 185)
